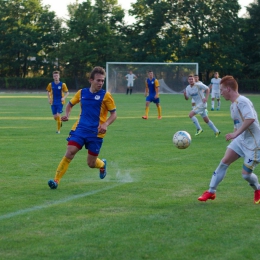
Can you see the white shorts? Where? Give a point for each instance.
(192, 100)
(251, 157)
(215, 94)
(130, 84)
(201, 111)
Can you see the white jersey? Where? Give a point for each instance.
(196, 92)
(243, 109)
(215, 84)
(130, 78)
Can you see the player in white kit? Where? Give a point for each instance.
(196, 91)
(130, 77)
(215, 91)
(245, 140)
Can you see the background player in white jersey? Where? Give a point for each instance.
(245, 140)
(215, 91)
(130, 77)
(196, 79)
(196, 91)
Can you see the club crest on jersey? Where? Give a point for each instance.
(59, 87)
(97, 97)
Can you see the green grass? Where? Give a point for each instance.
(146, 207)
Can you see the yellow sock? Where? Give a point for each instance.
(146, 111)
(62, 168)
(99, 163)
(159, 108)
(58, 123)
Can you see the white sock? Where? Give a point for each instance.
(252, 179)
(196, 122)
(217, 177)
(212, 103)
(212, 126)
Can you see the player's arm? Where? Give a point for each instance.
(73, 101)
(103, 128)
(146, 89)
(49, 93)
(241, 129)
(185, 94)
(49, 97)
(156, 86)
(205, 100)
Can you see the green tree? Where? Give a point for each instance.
(251, 41)
(26, 30)
(203, 31)
(93, 36)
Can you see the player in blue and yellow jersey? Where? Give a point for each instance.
(152, 94)
(91, 126)
(57, 93)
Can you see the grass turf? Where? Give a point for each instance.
(146, 207)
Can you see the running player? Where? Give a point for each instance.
(245, 140)
(57, 93)
(196, 91)
(91, 126)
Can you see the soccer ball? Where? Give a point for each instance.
(181, 139)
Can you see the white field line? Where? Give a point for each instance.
(74, 197)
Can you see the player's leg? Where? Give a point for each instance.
(64, 164)
(219, 174)
(210, 123)
(218, 102)
(94, 145)
(247, 171)
(159, 108)
(127, 90)
(195, 121)
(147, 104)
(212, 101)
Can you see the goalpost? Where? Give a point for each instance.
(173, 77)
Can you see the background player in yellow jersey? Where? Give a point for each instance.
(91, 126)
(57, 93)
(152, 94)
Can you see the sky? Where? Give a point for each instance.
(60, 7)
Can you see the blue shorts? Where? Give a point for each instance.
(152, 99)
(92, 143)
(57, 109)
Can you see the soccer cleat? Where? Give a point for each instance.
(218, 109)
(257, 197)
(53, 184)
(207, 196)
(212, 109)
(144, 117)
(103, 171)
(159, 117)
(217, 134)
(57, 132)
(199, 131)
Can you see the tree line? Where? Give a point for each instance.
(34, 41)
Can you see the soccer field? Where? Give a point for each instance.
(146, 207)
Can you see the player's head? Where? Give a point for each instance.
(216, 75)
(229, 81)
(56, 75)
(150, 74)
(97, 70)
(191, 79)
(130, 72)
(196, 77)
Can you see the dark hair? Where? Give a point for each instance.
(97, 70)
(55, 72)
